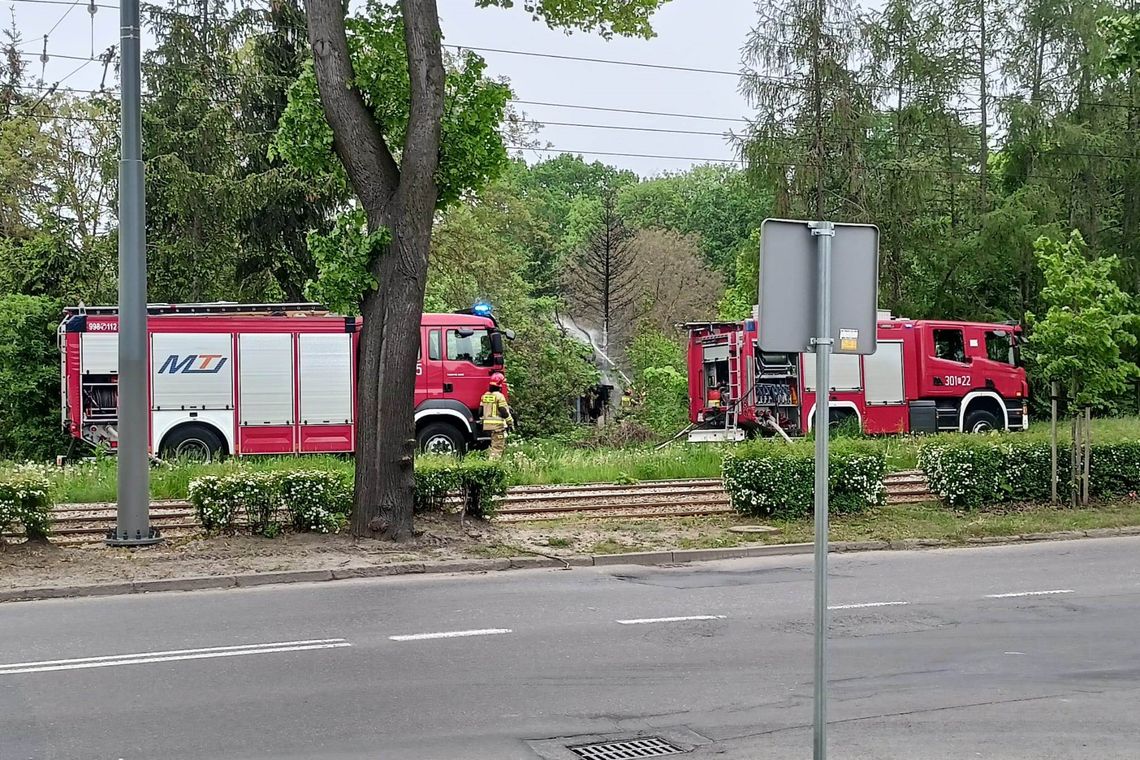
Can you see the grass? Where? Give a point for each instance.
(893, 523)
(528, 463)
(543, 463)
(89, 482)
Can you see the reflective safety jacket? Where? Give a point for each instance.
(495, 411)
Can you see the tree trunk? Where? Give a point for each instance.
(401, 198)
(983, 102)
(385, 433)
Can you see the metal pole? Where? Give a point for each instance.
(823, 232)
(132, 526)
(1054, 394)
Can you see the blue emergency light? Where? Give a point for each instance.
(482, 308)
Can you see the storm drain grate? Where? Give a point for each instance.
(650, 746)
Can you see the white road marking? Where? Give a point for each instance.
(450, 634)
(142, 658)
(1030, 593)
(867, 604)
(643, 621)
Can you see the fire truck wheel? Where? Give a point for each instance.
(441, 438)
(195, 443)
(981, 421)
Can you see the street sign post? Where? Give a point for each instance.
(801, 311)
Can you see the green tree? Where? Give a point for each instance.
(406, 149)
(917, 148)
(1123, 35)
(191, 79)
(481, 249)
(811, 106)
(226, 218)
(558, 190)
(281, 205)
(603, 276)
(717, 203)
(675, 284)
(660, 381)
(1080, 339)
(29, 378)
(743, 292)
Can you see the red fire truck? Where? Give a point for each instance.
(926, 376)
(230, 379)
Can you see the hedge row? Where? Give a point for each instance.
(971, 471)
(775, 479)
(479, 484)
(25, 504)
(264, 502)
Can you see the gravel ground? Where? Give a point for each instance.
(439, 537)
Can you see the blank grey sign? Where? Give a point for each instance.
(789, 287)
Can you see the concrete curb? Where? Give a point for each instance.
(661, 558)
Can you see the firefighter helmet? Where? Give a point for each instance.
(498, 379)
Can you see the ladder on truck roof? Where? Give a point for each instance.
(217, 308)
(732, 403)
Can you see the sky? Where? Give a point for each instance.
(689, 34)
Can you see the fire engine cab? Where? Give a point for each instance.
(925, 376)
(231, 379)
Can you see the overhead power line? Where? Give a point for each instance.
(790, 82)
(63, 2)
(63, 57)
(620, 128)
(59, 21)
(606, 61)
(869, 140)
(630, 111)
(626, 155)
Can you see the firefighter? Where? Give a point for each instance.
(627, 399)
(496, 415)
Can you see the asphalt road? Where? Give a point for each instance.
(952, 662)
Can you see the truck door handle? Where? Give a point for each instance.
(938, 381)
(448, 387)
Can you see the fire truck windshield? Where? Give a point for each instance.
(470, 346)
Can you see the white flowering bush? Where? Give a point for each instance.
(244, 501)
(263, 502)
(972, 471)
(210, 499)
(966, 471)
(774, 479)
(1027, 468)
(318, 501)
(1114, 469)
(25, 501)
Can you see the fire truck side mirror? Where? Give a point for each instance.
(496, 343)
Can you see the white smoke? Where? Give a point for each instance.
(592, 337)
